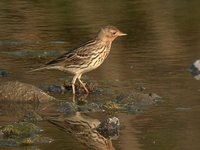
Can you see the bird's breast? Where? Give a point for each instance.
(97, 58)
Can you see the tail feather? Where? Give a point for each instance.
(46, 67)
(38, 69)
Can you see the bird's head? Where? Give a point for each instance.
(109, 33)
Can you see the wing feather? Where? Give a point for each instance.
(74, 57)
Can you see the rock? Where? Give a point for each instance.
(57, 89)
(195, 69)
(32, 116)
(90, 107)
(109, 128)
(139, 98)
(68, 108)
(61, 89)
(134, 102)
(18, 91)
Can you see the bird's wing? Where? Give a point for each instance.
(63, 58)
(71, 58)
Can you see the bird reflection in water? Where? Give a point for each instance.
(83, 128)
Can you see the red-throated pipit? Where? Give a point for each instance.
(87, 57)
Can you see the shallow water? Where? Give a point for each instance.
(163, 41)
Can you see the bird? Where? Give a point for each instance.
(86, 57)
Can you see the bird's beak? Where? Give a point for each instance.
(121, 33)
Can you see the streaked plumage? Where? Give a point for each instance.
(87, 57)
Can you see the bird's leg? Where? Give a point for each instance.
(83, 84)
(73, 83)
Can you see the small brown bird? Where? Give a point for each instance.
(87, 57)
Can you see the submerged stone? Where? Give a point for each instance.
(131, 108)
(91, 107)
(32, 117)
(57, 89)
(133, 102)
(68, 108)
(66, 87)
(136, 101)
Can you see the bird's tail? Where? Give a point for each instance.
(38, 69)
(46, 67)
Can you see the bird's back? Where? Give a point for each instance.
(84, 58)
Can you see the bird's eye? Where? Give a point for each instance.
(114, 33)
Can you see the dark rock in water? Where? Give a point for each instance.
(92, 87)
(62, 89)
(4, 73)
(68, 108)
(32, 117)
(109, 128)
(90, 107)
(135, 101)
(57, 89)
(71, 108)
(131, 108)
(18, 91)
(142, 98)
(195, 69)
